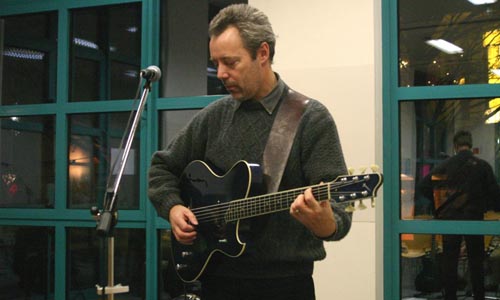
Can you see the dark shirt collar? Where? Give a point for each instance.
(269, 102)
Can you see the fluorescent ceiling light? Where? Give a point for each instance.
(24, 53)
(445, 46)
(480, 2)
(85, 43)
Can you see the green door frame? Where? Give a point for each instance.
(392, 94)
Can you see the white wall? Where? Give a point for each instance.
(326, 50)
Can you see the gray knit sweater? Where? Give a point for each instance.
(227, 131)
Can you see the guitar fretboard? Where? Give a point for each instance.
(279, 201)
(269, 203)
(344, 190)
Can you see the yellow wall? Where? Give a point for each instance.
(327, 50)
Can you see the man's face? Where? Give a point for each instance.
(242, 76)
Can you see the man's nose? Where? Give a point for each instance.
(222, 73)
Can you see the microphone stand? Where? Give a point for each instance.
(107, 218)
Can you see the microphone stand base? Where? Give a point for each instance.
(117, 289)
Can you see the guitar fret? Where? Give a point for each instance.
(269, 203)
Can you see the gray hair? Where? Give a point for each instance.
(253, 25)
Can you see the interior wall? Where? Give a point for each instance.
(325, 49)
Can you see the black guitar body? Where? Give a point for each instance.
(202, 188)
(219, 202)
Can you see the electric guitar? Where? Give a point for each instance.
(220, 201)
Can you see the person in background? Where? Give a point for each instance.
(282, 247)
(467, 187)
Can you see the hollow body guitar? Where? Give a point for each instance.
(220, 201)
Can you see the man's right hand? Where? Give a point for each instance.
(183, 223)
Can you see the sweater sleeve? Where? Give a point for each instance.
(323, 159)
(168, 164)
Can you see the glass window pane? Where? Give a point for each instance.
(185, 64)
(171, 122)
(448, 42)
(439, 266)
(124, 81)
(436, 177)
(27, 161)
(85, 83)
(87, 263)
(94, 145)
(26, 262)
(29, 57)
(105, 52)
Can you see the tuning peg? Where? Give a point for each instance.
(361, 205)
(350, 170)
(375, 168)
(373, 202)
(350, 208)
(362, 170)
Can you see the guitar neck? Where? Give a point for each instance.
(338, 191)
(271, 203)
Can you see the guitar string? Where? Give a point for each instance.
(242, 211)
(239, 209)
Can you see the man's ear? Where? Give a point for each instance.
(264, 52)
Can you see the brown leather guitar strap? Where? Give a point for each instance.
(281, 138)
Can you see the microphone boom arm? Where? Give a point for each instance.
(107, 218)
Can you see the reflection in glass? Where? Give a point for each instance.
(433, 266)
(105, 52)
(26, 262)
(29, 59)
(427, 130)
(87, 263)
(187, 69)
(27, 161)
(472, 30)
(172, 121)
(94, 145)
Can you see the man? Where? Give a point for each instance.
(282, 247)
(468, 187)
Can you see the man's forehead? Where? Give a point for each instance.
(225, 57)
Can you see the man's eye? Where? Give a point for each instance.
(231, 63)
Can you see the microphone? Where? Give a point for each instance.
(151, 73)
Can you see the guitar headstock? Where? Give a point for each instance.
(356, 187)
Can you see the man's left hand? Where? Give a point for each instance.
(316, 216)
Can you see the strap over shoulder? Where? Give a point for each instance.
(281, 138)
